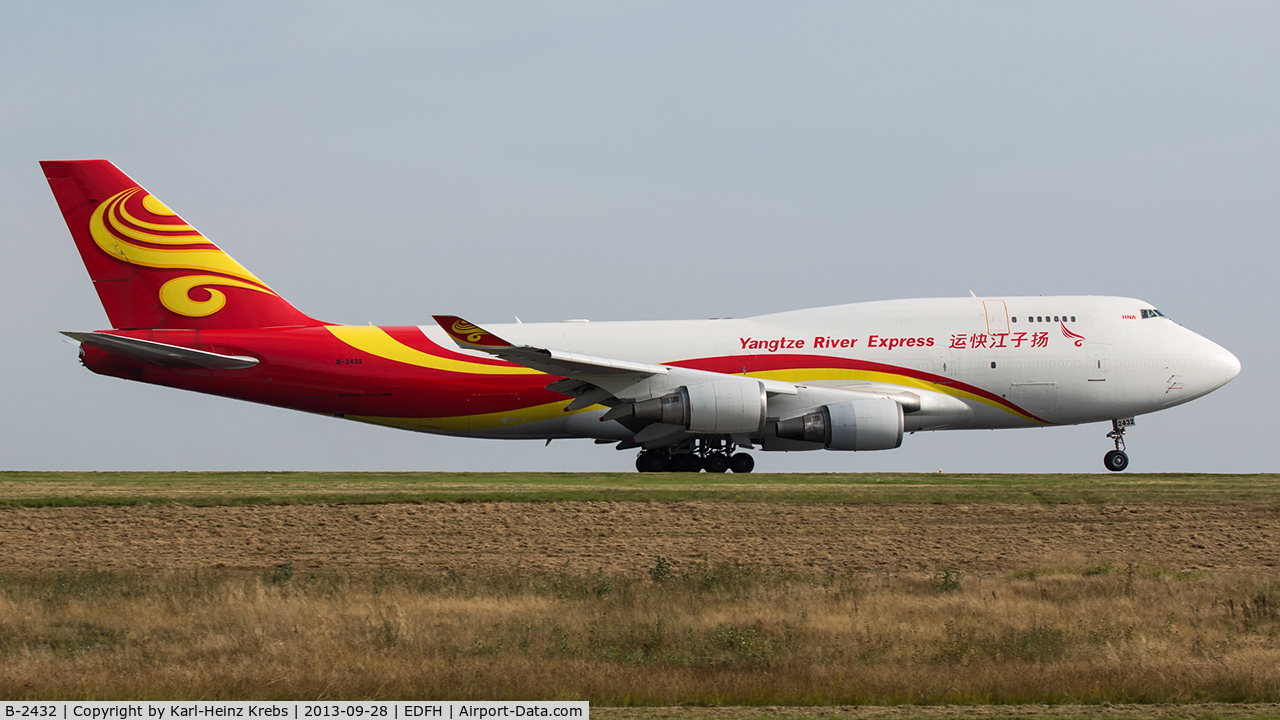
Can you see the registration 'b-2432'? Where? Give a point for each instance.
(689, 395)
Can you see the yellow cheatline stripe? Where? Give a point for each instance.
(376, 342)
(480, 421)
(812, 375)
(550, 411)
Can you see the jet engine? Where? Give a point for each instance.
(713, 407)
(862, 424)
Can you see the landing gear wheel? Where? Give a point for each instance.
(715, 463)
(685, 463)
(1116, 461)
(742, 463)
(652, 462)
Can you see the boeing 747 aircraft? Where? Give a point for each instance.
(689, 395)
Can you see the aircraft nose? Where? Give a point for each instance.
(1210, 366)
(1230, 365)
(1221, 366)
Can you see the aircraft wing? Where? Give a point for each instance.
(635, 391)
(600, 379)
(552, 362)
(165, 355)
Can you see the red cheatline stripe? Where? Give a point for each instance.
(733, 364)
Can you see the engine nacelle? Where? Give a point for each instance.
(862, 424)
(715, 407)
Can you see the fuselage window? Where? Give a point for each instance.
(993, 364)
(1039, 319)
(1073, 318)
(1014, 318)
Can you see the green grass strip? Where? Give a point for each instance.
(94, 489)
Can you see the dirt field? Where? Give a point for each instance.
(921, 590)
(626, 537)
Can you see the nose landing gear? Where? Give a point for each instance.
(1116, 460)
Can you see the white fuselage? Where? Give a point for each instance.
(974, 362)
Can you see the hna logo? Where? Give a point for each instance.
(1128, 317)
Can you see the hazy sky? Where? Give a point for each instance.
(381, 162)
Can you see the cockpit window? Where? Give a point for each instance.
(1151, 314)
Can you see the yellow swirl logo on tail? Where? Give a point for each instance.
(151, 235)
(176, 294)
(467, 331)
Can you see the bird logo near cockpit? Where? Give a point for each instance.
(1079, 339)
(136, 228)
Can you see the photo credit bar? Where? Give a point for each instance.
(294, 710)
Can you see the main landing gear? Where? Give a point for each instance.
(714, 456)
(1116, 460)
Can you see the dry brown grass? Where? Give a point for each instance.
(710, 634)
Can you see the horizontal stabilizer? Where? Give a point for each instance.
(170, 356)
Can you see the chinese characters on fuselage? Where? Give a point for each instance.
(958, 341)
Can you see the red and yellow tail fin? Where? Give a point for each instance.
(151, 269)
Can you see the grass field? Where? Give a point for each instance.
(1076, 611)
(33, 489)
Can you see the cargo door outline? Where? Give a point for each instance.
(997, 317)
(1038, 398)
